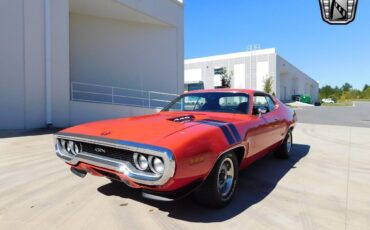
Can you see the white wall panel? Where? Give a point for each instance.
(12, 87)
(124, 54)
(193, 75)
(82, 112)
(239, 76)
(262, 73)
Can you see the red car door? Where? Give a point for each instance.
(266, 126)
(276, 120)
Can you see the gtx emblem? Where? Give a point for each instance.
(99, 150)
(338, 12)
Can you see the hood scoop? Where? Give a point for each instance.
(182, 119)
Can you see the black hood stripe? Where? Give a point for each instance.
(235, 132)
(223, 127)
(231, 126)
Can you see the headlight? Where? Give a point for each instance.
(70, 147)
(158, 165)
(62, 144)
(141, 162)
(76, 148)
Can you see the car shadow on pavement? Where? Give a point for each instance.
(255, 183)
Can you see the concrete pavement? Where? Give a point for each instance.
(325, 185)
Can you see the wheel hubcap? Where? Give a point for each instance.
(225, 177)
(289, 142)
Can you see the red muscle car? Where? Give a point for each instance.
(198, 143)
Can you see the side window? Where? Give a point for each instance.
(258, 102)
(271, 103)
(234, 103)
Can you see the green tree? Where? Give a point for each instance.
(344, 93)
(326, 91)
(366, 93)
(350, 95)
(267, 87)
(336, 94)
(346, 87)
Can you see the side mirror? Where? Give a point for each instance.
(261, 111)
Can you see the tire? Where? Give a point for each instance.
(285, 149)
(218, 189)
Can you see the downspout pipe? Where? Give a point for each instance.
(48, 64)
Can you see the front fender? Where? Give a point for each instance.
(196, 151)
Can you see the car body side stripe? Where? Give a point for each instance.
(228, 135)
(223, 127)
(235, 132)
(230, 125)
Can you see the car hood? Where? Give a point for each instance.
(143, 129)
(148, 129)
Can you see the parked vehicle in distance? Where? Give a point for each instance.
(296, 97)
(302, 98)
(306, 99)
(328, 101)
(198, 143)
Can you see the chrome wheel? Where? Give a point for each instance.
(289, 142)
(225, 177)
(219, 187)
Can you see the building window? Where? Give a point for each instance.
(195, 86)
(217, 83)
(218, 71)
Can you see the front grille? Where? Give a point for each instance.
(114, 153)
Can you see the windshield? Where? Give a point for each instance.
(211, 102)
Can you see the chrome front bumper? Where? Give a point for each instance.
(119, 166)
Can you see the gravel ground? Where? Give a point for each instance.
(325, 185)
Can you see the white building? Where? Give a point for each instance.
(250, 69)
(66, 62)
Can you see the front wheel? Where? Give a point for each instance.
(284, 150)
(219, 188)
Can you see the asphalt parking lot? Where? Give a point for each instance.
(324, 185)
(357, 115)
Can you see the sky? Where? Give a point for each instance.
(330, 54)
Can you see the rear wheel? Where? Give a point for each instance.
(219, 188)
(284, 150)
